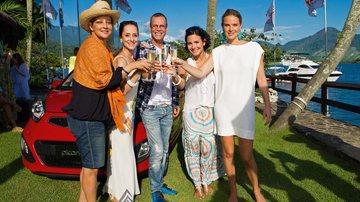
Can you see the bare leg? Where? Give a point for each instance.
(9, 115)
(228, 151)
(247, 156)
(88, 182)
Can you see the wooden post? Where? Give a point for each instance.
(272, 82)
(324, 99)
(293, 86)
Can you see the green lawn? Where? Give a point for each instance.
(291, 168)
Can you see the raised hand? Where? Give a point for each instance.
(144, 65)
(177, 61)
(169, 69)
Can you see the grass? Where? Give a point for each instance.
(291, 168)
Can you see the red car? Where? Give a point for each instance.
(48, 148)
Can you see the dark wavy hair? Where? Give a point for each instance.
(128, 22)
(18, 58)
(232, 12)
(199, 32)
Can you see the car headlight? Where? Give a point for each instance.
(142, 151)
(37, 110)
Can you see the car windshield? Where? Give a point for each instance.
(67, 82)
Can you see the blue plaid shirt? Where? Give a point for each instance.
(145, 88)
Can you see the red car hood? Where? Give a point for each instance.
(57, 99)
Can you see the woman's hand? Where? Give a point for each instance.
(143, 65)
(169, 69)
(177, 61)
(144, 44)
(267, 114)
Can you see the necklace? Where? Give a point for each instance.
(200, 61)
(128, 59)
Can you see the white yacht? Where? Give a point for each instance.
(304, 68)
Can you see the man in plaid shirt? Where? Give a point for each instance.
(157, 102)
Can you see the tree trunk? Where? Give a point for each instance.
(329, 65)
(210, 25)
(5, 80)
(29, 5)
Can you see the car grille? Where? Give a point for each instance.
(58, 154)
(59, 121)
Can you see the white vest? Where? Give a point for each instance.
(199, 92)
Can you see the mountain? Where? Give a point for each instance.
(69, 33)
(314, 45)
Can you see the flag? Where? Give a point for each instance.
(61, 14)
(313, 5)
(49, 9)
(123, 5)
(270, 14)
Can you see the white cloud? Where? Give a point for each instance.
(144, 35)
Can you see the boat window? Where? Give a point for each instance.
(304, 66)
(293, 69)
(315, 66)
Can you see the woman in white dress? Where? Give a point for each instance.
(122, 182)
(237, 65)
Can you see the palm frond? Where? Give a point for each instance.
(11, 12)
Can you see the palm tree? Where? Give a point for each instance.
(329, 65)
(12, 16)
(29, 8)
(210, 25)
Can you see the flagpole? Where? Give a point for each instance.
(325, 30)
(44, 14)
(60, 30)
(274, 32)
(77, 10)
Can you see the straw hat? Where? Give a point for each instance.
(99, 8)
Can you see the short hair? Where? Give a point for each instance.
(232, 12)
(18, 58)
(127, 22)
(158, 15)
(196, 30)
(76, 50)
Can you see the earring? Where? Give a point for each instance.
(223, 37)
(240, 35)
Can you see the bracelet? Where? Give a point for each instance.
(132, 84)
(125, 71)
(178, 83)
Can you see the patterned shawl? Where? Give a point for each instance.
(93, 69)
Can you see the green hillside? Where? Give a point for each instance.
(315, 45)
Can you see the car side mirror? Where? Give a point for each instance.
(55, 83)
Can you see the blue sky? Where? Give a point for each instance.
(292, 19)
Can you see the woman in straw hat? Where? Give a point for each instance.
(97, 99)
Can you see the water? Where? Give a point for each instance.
(351, 74)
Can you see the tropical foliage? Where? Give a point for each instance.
(12, 19)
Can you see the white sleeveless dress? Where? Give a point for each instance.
(122, 183)
(235, 69)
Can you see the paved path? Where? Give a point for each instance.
(337, 136)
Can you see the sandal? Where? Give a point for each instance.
(17, 129)
(208, 190)
(198, 193)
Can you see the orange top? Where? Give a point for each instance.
(93, 70)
